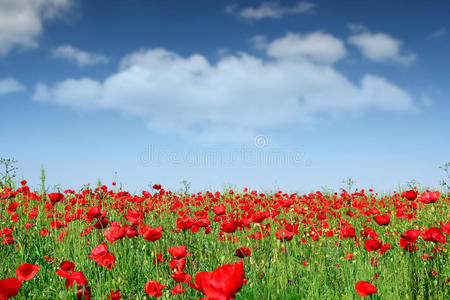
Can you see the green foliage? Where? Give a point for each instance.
(445, 183)
(7, 171)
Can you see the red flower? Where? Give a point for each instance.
(179, 264)
(101, 256)
(284, 234)
(153, 288)
(77, 277)
(9, 287)
(115, 295)
(93, 212)
(222, 283)
(219, 210)
(185, 223)
(243, 252)
(178, 252)
(228, 226)
(410, 195)
(446, 227)
(178, 289)
(66, 269)
(158, 258)
(55, 197)
(181, 277)
(113, 234)
(433, 234)
(372, 245)
(364, 288)
(382, 219)
(153, 234)
(429, 197)
(26, 271)
(258, 217)
(411, 235)
(348, 232)
(12, 207)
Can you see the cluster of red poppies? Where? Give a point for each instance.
(118, 215)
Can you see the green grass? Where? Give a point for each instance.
(327, 275)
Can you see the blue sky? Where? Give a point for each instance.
(291, 95)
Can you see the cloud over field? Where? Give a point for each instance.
(21, 21)
(236, 96)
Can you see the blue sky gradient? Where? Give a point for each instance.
(360, 89)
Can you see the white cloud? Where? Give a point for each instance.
(10, 85)
(317, 46)
(378, 47)
(259, 42)
(440, 32)
(80, 57)
(233, 98)
(21, 21)
(272, 10)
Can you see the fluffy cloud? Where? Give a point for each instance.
(234, 97)
(10, 85)
(378, 47)
(271, 10)
(317, 46)
(440, 32)
(21, 21)
(80, 57)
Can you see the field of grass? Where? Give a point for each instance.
(91, 243)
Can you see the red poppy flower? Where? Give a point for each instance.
(382, 219)
(181, 277)
(66, 268)
(228, 226)
(55, 197)
(284, 235)
(77, 277)
(93, 212)
(9, 287)
(114, 295)
(185, 223)
(258, 217)
(446, 227)
(12, 207)
(158, 258)
(113, 234)
(410, 195)
(364, 288)
(203, 222)
(101, 256)
(178, 252)
(179, 264)
(153, 234)
(153, 288)
(433, 234)
(372, 245)
(429, 197)
(219, 210)
(348, 232)
(222, 283)
(411, 235)
(26, 271)
(178, 289)
(243, 252)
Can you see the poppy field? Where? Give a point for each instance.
(106, 243)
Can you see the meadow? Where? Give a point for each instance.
(105, 243)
